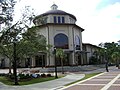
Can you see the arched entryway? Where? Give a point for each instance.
(61, 41)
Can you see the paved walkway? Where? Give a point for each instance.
(104, 81)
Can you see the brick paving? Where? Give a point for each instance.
(106, 81)
(85, 87)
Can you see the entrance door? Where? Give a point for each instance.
(79, 60)
(40, 61)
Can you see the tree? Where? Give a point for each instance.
(6, 18)
(109, 48)
(60, 54)
(7, 12)
(31, 43)
(28, 41)
(116, 57)
(20, 36)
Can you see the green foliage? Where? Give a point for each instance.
(7, 11)
(110, 48)
(25, 82)
(93, 60)
(43, 75)
(110, 51)
(60, 53)
(116, 57)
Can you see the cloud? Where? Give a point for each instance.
(104, 26)
(101, 25)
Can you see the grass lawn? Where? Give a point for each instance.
(6, 81)
(86, 77)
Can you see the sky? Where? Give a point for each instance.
(99, 18)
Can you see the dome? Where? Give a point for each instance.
(55, 11)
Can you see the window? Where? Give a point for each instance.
(63, 20)
(55, 20)
(61, 41)
(59, 21)
(77, 42)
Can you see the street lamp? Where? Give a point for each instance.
(14, 62)
(106, 62)
(55, 63)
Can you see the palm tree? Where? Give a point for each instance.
(116, 57)
(60, 54)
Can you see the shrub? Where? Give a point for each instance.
(11, 76)
(93, 60)
(38, 75)
(2, 74)
(27, 76)
(22, 76)
(43, 75)
(49, 75)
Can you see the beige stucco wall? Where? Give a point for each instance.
(51, 31)
(78, 33)
(91, 50)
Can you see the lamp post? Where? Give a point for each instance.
(14, 63)
(55, 63)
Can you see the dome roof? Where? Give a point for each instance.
(55, 11)
(58, 12)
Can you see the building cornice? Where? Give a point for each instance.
(61, 24)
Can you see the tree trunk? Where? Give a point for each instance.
(10, 68)
(62, 66)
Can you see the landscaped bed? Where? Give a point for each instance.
(26, 79)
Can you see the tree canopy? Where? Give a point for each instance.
(28, 42)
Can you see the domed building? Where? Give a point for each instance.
(60, 30)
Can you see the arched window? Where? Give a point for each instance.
(61, 41)
(77, 42)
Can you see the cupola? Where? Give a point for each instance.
(54, 7)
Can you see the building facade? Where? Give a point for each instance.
(60, 30)
(92, 51)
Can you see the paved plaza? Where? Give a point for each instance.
(105, 81)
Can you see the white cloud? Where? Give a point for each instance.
(104, 26)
